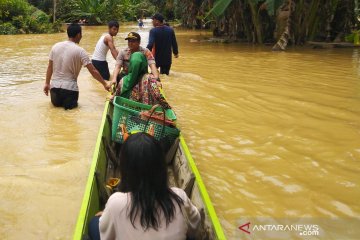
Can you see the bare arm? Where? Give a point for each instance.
(49, 73)
(115, 73)
(151, 61)
(97, 76)
(154, 70)
(109, 41)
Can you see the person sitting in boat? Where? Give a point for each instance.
(138, 85)
(146, 207)
(123, 58)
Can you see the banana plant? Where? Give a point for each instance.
(221, 6)
(92, 10)
(306, 19)
(284, 38)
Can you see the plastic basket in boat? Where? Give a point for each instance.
(124, 107)
(166, 134)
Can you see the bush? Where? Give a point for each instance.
(7, 28)
(18, 21)
(353, 37)
(18, 16)
(40, 16)
(11, 8)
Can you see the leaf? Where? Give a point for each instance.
(219, 8)
(272, 6)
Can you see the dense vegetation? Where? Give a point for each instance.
(18, 16)
(44, 16)
(262, 21)
(101, 11)
(256, 21)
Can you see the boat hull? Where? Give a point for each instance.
(182, 170)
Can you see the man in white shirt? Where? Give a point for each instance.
(105, 43)
(65, 62)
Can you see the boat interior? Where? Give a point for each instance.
(180, 175)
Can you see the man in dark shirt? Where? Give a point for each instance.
(162, 42)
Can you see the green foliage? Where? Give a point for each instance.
(272, 6)
(7, 28)
(68, 11)
(40, 16)
(44, 5)
(353, 37)
(179, 9)
(113, 10)
(18, 16)
(11, 8)
(92, 10)
(18, 22)
(102, 11)
(133, 9)
(159, 4)
(143, 8)
(219, 8)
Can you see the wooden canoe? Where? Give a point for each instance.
(182, 171)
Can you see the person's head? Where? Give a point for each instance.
(144, 174)
(157, 19)
(134, 40)
(142, 161)
(74, 32)
(113, 27)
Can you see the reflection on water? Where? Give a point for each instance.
(273, 134)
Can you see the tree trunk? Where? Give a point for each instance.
(256, 22)
(284, 39)
(54, 14)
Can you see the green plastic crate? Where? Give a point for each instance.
(160, 131)
(124, 107)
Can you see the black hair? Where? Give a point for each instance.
(73, 29)
(158, 16)
(113, 23)
(144, 174)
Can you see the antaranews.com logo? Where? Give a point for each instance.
(345, 228)
(301, 229)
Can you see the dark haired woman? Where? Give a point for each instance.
(146, 208)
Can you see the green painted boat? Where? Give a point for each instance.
(182, 171)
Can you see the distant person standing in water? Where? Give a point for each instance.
(141, 23)
(105, 43)
(162, 41)
(65, 61)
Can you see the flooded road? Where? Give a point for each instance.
(273, 134)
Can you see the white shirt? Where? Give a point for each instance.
(101, 49)
(115, 222)
(68, 58)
